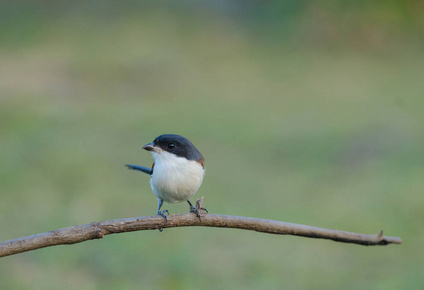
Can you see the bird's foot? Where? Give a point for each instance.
(163, 214)
(198, 208)
(197, 211)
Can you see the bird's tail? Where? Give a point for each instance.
(139, 168)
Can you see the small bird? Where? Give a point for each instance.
(177, 171)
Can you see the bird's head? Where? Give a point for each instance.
(174, 144)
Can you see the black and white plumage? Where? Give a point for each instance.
(177, 171)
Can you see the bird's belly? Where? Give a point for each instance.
(176, 184)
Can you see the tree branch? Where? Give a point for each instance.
(97, 230)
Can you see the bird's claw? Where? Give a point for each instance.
(204, 209)
(197, 212)
(163, 214)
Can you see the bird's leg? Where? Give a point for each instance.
(196, 210)
(162, 213)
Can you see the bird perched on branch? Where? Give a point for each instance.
(177, 171)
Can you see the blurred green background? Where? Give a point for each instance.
(306, 111)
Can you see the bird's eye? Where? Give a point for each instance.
(171, 146)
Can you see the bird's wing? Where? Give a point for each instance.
(140, 168)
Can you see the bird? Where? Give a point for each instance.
(177, 171)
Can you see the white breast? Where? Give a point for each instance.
(175, 179)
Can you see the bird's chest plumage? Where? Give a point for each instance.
(175, 179)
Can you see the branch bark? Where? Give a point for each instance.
(97, 230)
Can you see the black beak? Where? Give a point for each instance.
(149, 147)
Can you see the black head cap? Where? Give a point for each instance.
(178, 145)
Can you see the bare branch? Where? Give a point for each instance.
(97, 230)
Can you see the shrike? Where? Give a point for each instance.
(177, 171)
